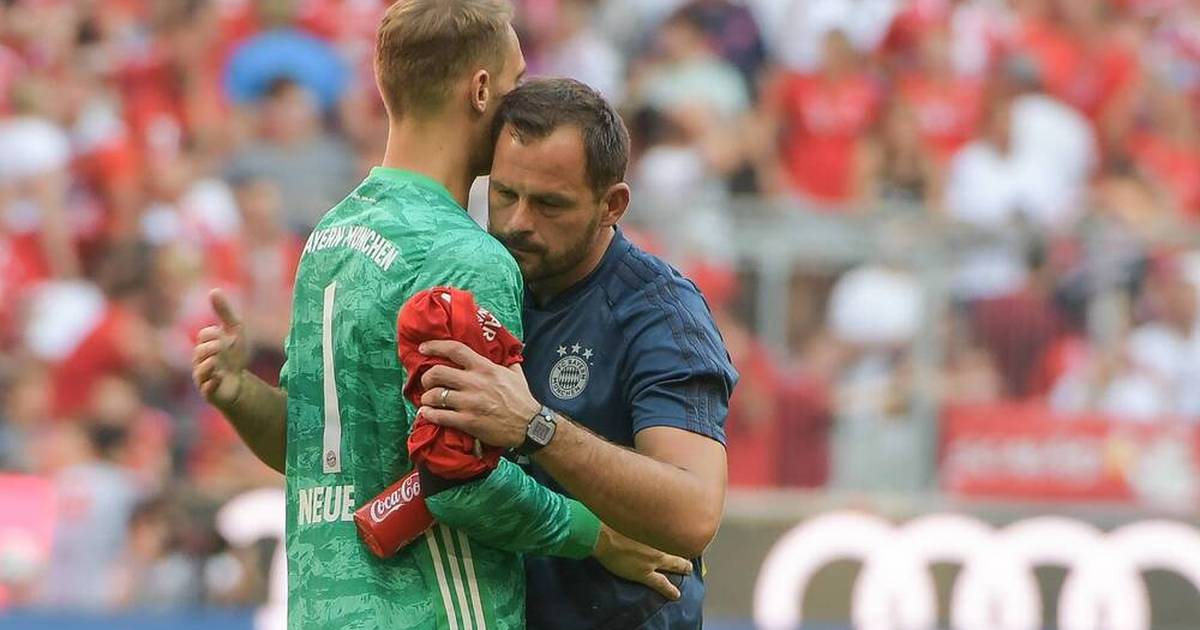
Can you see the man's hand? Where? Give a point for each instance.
(483, 399)
(629, 559)
(220, 358)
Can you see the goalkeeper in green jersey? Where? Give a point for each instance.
(338, 424)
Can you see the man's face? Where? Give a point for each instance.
(541, 204)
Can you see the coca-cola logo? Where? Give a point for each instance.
(407, 491)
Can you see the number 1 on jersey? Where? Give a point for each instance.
(331, 449)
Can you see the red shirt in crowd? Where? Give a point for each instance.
(20, 268)
(1017, 329)
(1088, 77)
(260, 272)
(1173, 164)
(805, 426)
(914, 22)
(823, 119)
(10, 68)
(947, 112)
(752, 425)
(108, 349)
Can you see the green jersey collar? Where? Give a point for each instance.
(403, 176)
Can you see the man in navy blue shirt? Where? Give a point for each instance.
(626, 382)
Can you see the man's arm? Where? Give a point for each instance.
(561, 527)
(256, 410)
(259, 414)
(509, 510)
(669, 493)
(674, 474)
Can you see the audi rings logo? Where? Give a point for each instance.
(996, 588)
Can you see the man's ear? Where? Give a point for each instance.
(615, 202)
(481, 91)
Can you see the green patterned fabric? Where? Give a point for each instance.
(398, 233)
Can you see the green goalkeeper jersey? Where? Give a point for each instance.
(397, 234)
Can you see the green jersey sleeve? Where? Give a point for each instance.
(507, 509)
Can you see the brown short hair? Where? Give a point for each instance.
(541, 106)
(424, 46)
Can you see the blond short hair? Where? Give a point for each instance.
(425, 46)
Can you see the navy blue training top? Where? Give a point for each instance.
(630, 347)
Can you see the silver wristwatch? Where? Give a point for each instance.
(540, 431)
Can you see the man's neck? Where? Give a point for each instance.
(436, 149)
(549, 288)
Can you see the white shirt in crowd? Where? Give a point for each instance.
(796, 30)
(1055, 151)
(984, 190)
(1042, 180)
(679, 194)
(1173, 359)
(30, 147)
(875, 305)
(590, 59)
(1043, 177)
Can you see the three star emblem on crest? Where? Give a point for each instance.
(576, 348)
(569, 376)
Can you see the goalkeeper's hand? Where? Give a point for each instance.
(630, 559)
(221, 355)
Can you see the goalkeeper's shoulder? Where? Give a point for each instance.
(472, 259)
(472, 248)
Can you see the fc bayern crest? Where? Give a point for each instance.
(569, 376)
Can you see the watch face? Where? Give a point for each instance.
(541, 431)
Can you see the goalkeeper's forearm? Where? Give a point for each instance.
(509, 510)
(259, 414)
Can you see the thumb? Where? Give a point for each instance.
(221, 306)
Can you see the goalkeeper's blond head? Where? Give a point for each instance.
(439, 59)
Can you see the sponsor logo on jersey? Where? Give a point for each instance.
(383, 506)
(569, 376)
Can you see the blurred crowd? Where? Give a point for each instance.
(151, 150)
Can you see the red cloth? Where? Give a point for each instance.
(448, 313)
(823, 121)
